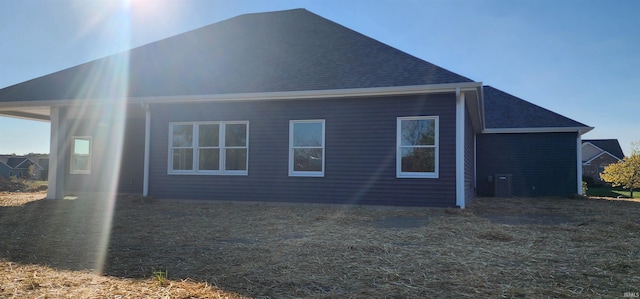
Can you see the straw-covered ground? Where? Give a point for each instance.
(510, 248)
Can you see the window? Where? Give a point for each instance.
(417, 147)
(209, 148)
(81, 155)
(306, 148)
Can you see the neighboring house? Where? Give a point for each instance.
(598, 154)
(18, 166)
(289, 106)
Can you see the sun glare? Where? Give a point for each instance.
(102, 92)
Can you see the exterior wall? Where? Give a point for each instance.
(596, 165)
(4, 171)
(360, 152)
(469, 159)
(104, 157)
(541, 164)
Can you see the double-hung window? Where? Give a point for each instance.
(209, 148)
(80, 155)
(417, 147)
(306, 148)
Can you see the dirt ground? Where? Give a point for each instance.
(547, 247)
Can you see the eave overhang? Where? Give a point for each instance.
(24, 109)
(580, 130)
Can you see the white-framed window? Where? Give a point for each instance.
(209, 148)
(306, 148)
(417, 147)
(80, 155)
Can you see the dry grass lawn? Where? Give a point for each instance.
(509, 248)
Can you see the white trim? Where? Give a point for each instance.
(54, 190)
(195, 147)
(293, 172)
(580, 130)
(72, 169)
(460, 104)
(279, 95)
(579, 165)
(147, 149)
(436, 146)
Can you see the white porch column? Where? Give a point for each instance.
(56, 156)
(460, 104)
(579, 154)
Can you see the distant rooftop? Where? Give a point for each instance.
(610, 145)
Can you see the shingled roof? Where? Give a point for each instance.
(293, 50)
(612, 146)
(503, 110)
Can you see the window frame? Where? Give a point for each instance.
(72, 164)
(295, 173)
(435, 146)
(196, 149)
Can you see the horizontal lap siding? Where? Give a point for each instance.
(103, 156)
(469, 158)
(542, 164)
(360, 157)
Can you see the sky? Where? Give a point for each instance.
(579, 58)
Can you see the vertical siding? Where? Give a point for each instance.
(360, 152)
(469, 158)
(542, 164)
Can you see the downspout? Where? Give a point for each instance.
(147, 147)
(460, 104)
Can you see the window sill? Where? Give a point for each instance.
(307, 174)
(417, 176)
(244, 173)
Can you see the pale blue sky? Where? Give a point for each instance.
(580, 58)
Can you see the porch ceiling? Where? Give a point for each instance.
(41, 113)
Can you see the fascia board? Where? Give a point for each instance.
(280, 95)
(11, 109)
(581, 130)
(318, 94)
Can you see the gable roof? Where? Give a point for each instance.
(506, 111)
(291, 50)
(612, 146)
(14, 162)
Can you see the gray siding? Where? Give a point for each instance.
(360, 152)
(103, 157)
(469, 158)
(542, 164)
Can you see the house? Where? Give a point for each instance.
(289, 106)
(598, 154)
(18, 166)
